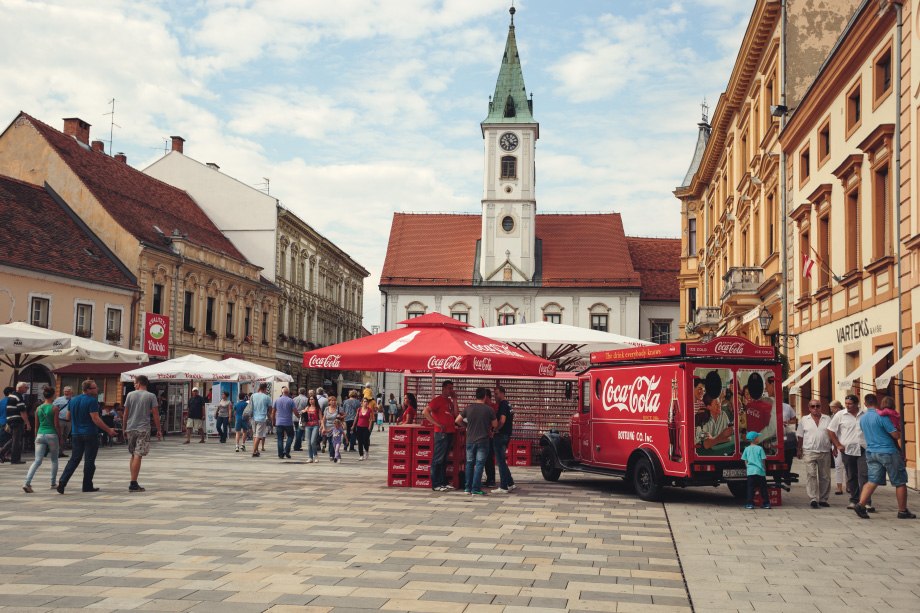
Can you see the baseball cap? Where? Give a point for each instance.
(195, 389)
(752, 435)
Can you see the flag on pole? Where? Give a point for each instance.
(482, 322)
(808, 265)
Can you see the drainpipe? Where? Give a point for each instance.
(782, 187)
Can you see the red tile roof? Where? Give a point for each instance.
(136, 201)
(41, 235)
(658, 261)
(440, 250)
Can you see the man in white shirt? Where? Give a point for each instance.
(847, 437)
(814, 447)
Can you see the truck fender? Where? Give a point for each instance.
(652, 457)
(560, 446)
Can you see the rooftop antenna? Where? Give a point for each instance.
(512, 11)
(264, 186)
(112, 124)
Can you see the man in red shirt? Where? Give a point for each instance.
(441, 412)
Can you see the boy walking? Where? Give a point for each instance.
(754, 457)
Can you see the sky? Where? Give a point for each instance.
(356, 109)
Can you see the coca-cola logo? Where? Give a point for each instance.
(637, 396)
(547, 370)
(451, 362)
(482, 364)
(492, 348)
(330, 361)
(729, 348)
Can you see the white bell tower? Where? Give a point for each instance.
(509, 204)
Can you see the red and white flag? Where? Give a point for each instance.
(482, 322)
(808, 265)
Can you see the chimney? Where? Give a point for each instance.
(213, 165)
(177, 142)
(121, 157)
(76, 127)
(99, 146)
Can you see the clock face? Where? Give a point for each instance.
(508, 141)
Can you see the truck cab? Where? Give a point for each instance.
(673, 415)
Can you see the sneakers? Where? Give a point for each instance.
(134, 487)
(468, 493)
(852, 506)
(499, 490)
(28, 489)
(448, 488)
(766, 506)
(478, 493)
(814, 504)
(749, 507)
(824, 504)
(905, 514)
(512, 487)
(861, 511)
(870, 508)
(361, 458)
(256, 454)
(242, 447)
(237, 448)
(442, 488)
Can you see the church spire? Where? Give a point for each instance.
(510, 103)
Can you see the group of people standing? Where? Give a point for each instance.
(867, 442)
(488, 425)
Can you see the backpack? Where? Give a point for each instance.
(64, 413)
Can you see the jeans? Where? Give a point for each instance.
(443, 441)
(43, 443)
(817, 474)
(311, 435)
(223, 428)
(14, 445)
(85, 447)
(350, 434)
(281, 432)
(476, 454)
(490, 463)
(857, 474)
(298, 438)
(761, 482)
(330, 446)
(504, 473)
(364, 439)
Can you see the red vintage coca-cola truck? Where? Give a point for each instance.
(673, 415)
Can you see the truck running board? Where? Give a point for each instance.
(576, 466)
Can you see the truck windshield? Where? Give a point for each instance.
(714, 411)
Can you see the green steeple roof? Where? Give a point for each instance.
(510, 103)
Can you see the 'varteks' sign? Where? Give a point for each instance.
(156, 335)
(856, 330)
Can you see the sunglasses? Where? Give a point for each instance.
(814, 406)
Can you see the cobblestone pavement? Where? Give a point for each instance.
(221, 531)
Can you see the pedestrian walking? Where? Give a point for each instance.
(350, 408)
(61, 404)
(336, 439)
(883, 456)
(847, 437)
(283, 418)
(17, 422)
(139, 405)
(500, 441)
(46, 439)
(362, 430)
(261, 403)
(837, 458)
(300, 403)
(755, 461)
(814, 447)
(86, 424)
(328, 424)
(194, 422)
(241, 422)
(392, 410)
(222, 416)
(479, 420)
(310, 420)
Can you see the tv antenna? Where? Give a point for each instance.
(264, 186)
(112, 124)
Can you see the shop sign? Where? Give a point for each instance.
(156, 335)
(857, 330)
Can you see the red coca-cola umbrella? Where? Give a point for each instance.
(431, 343)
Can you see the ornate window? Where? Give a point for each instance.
(552, 313)
(415, 309)
(660, 331)
(509, 167)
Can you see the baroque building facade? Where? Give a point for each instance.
(321, 286)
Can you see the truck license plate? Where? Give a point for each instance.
(734, 473)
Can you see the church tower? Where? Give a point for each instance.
(509, 206)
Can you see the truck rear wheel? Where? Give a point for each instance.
(548, 465)
(644, 480)
(738, 489)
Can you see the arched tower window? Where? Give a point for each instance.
(509, 107)
(509, 167)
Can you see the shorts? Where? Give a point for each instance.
(194, 424)
(260, 428)
(138, 442)
(891, 463)
(240, 425)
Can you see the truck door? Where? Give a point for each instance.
(580, 430)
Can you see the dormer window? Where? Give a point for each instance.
(509, 107)
(509, 167)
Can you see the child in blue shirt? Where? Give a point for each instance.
(754, 457)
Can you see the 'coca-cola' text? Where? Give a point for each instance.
(637, 396)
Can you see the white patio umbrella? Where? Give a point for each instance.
(266, 374)
(72, 350)
(190, 368)
(14, 339)
(567, 345)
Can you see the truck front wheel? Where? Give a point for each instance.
(644, 480)
(548, 465)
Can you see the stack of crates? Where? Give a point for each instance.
(411, 450)
(520, 453)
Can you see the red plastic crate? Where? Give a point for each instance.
(399, 451)
(398, 479)
(521, 448)
(776, 497)
(424, 436)
(402, 435)
(400, 465)
(421, 481)
(450, 469)
(421, 467)
(423, 452)
(520, 461)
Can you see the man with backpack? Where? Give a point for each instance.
(62, 404)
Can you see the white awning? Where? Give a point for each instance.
(798, 373)
(864, 368)
(814, 371)
(882, 381)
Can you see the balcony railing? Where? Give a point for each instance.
(742, 280)
(707, 317)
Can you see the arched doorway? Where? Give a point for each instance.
(37, 376)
